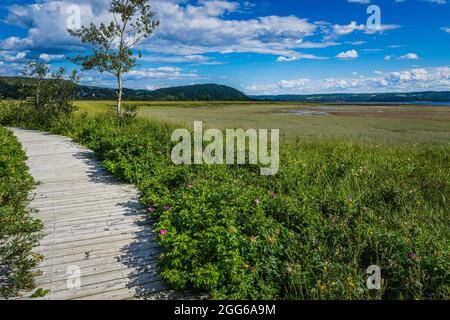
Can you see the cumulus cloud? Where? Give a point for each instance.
(168, 73)
(299, 56)
(51, 57)
(347, 29)
(417, 79)
(7, 56)
(350, 54)
(407, 56)
(290, 84)
(338, 30)
(185, 29)
(194, 59)
(359, 1)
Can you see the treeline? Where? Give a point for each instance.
(432, 96)
(10, 87)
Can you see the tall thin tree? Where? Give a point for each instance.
(113, 43)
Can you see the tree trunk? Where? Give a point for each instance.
(19, 110)
(38, 95)
(119, 98)
(38, 100)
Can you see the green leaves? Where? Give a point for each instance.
(19, 232)
(112, 43)
(334, 209)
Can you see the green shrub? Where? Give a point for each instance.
(310, 232)
(19, 232)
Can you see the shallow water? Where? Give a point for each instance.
(301, 113)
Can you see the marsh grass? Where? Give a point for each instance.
(404, 125)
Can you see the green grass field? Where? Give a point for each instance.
(394, 124)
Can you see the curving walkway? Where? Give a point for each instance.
(93, 224)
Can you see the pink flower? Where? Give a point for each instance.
(151, 210)
(334, 220)
(412, 255)
(167, 207)
(163, 232)
(257, 201)
(274, 195)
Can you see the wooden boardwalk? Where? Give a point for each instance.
(93, 224)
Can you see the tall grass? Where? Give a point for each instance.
(334, 209)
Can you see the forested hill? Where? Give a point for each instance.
(432, 96)
(10, 88)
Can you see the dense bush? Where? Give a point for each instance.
(334, 209)
(19, 232)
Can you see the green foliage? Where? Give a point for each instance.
(42, 98)
(40, 293)
(19, 231)
(130, 111)
(204, 92)
(10, 88)
(334, 209)
(113, 43)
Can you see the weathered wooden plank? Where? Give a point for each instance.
(91, 220)
(96, 226)
(73, 254)
(97, 268)
(145, 284)
(91, 237)
(86, 243)
(111, 259)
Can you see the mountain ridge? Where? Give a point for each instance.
(393, 97)
(10, 88)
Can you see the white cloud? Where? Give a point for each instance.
(170, 73)
(186, 29)
(347, 29)
(194, 59)
(350, 54)
(51, 57)
(14, 43)
(290, 84)
(8, 56)
(446, 29)
(359, 1)
(408, 56)
(342, 30)
(299, 56)
(417, 79)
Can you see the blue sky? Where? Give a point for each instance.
(259, 47)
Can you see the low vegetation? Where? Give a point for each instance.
(386, 125)
(334, 209)
(19, 231)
